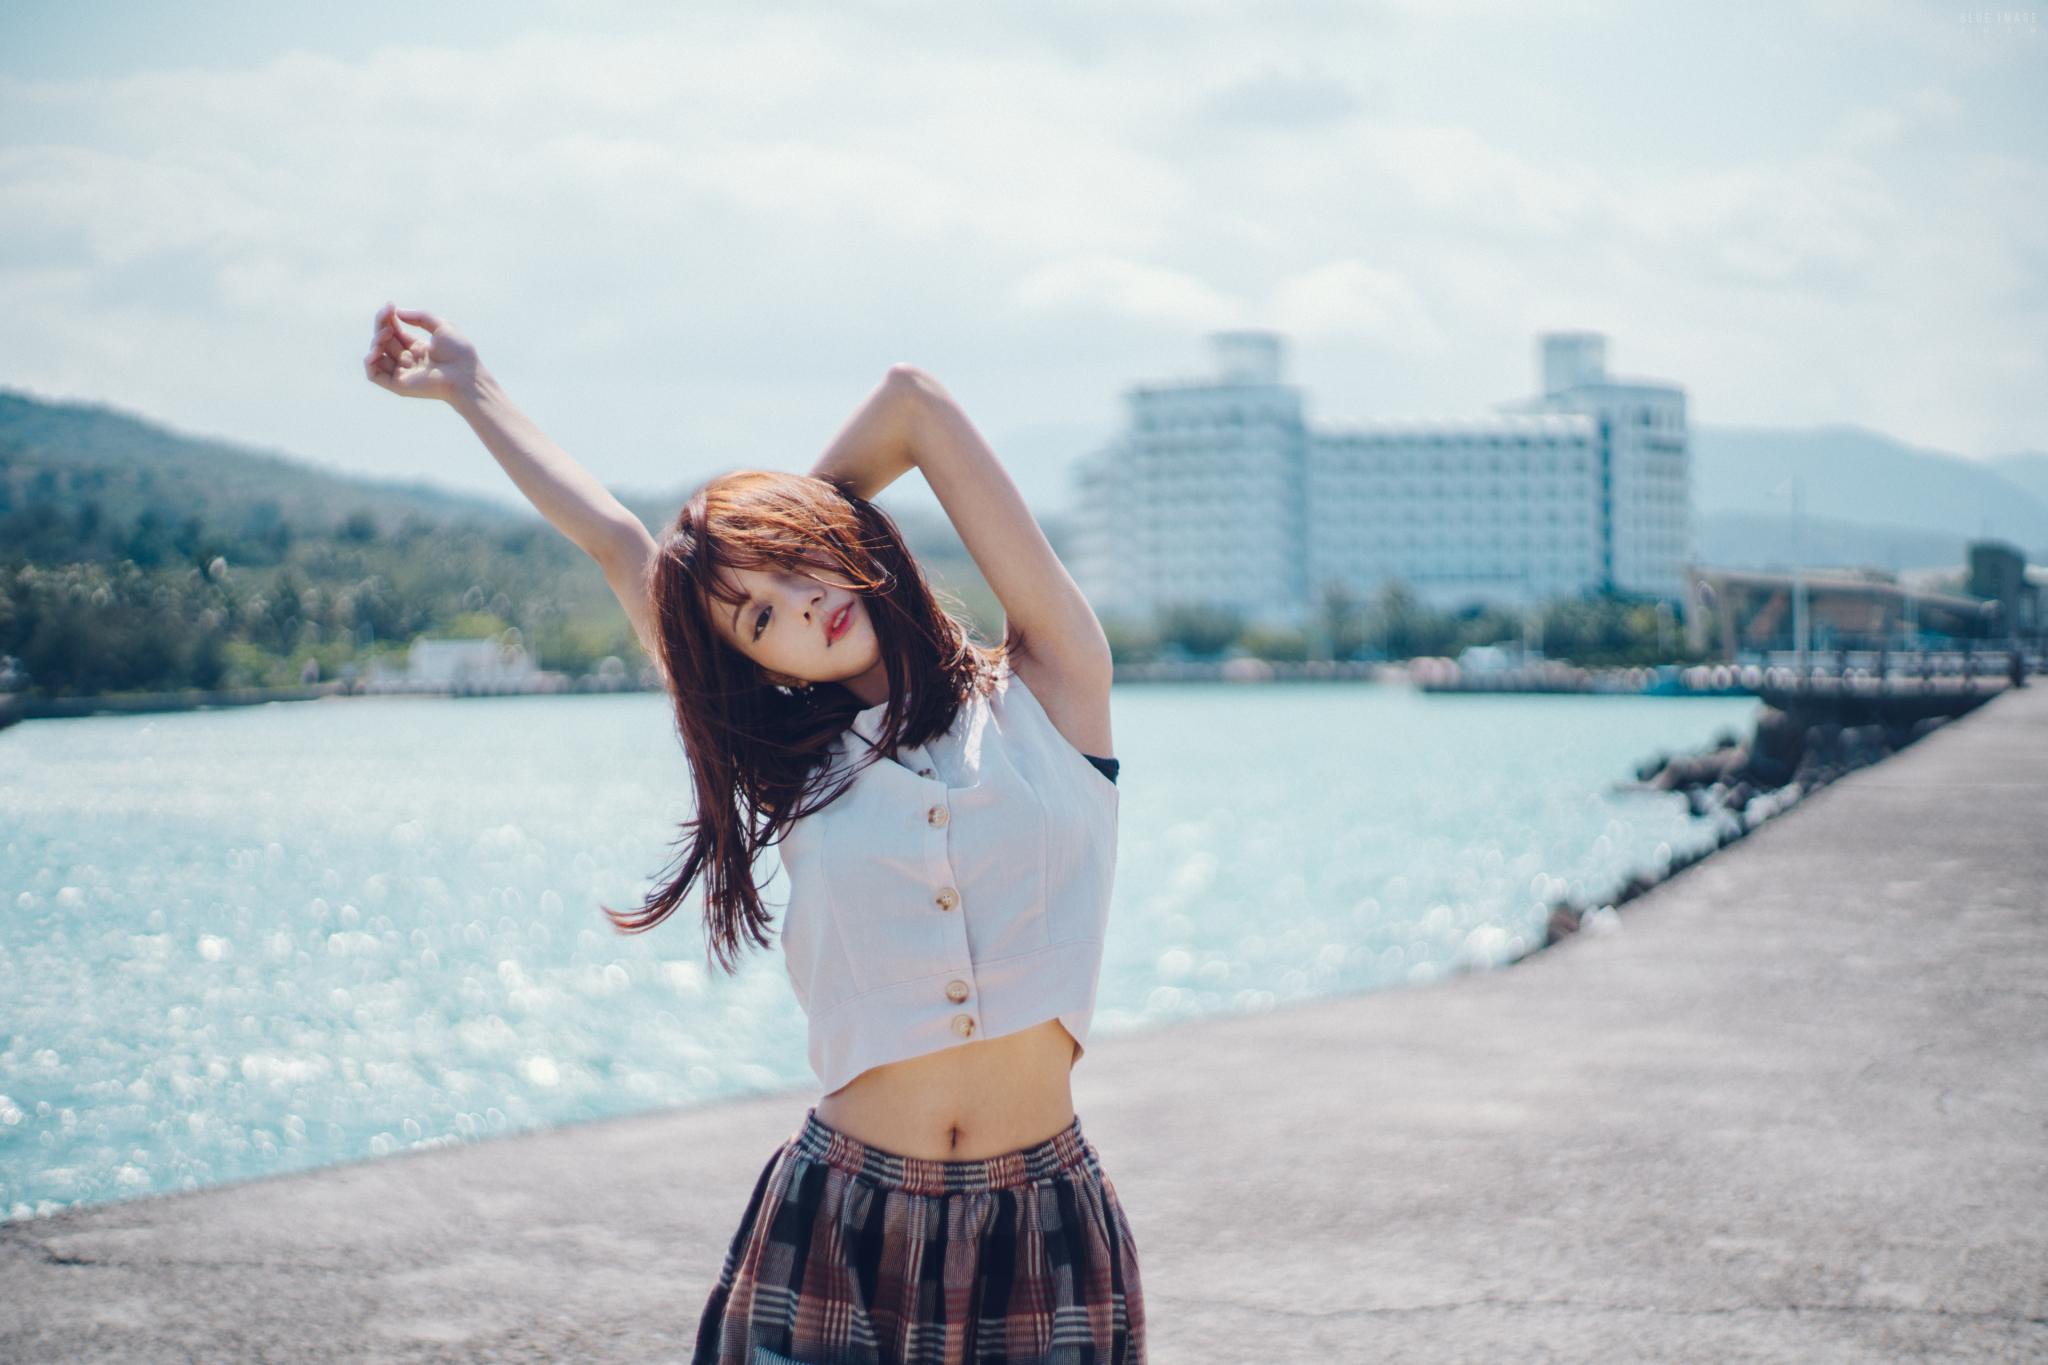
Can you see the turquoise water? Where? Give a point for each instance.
(240, 942)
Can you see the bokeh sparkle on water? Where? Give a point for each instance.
(235, 943)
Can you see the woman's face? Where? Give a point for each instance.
(801, 629)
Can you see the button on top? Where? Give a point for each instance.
(956, 991)
(937, 816)
(924, 772)
(963, 1024)
(948, 898)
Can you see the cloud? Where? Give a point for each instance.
(1349, 296)
(1811, 223)
(1459, 173)
(1089, 284)
(1275, 99)
(1951, 34)
(1930, 110)
(691, 238)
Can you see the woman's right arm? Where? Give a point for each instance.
(418, 355)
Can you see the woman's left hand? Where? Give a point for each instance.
(419, 355)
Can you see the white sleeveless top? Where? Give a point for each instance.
(954, 893)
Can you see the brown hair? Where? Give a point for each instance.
(757, 751)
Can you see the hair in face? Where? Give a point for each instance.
(757, 751)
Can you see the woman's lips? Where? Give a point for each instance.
(836, 624)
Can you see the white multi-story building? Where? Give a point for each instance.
(1645, 463)
(1219, 492)
(1204, 498)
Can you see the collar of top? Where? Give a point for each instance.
(868, 724)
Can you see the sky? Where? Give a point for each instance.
(689, 237)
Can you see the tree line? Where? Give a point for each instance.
(90, 603)
(1394, 623)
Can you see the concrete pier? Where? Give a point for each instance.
(1795, 1110)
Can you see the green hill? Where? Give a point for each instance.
(74, 476)
(2027, 469)
(136, 558)
(1751, 540)
(1861, 479)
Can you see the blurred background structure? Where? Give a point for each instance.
(1220, 493)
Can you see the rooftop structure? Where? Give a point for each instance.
(1757, 613)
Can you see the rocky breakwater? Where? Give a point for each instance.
(1741, 783)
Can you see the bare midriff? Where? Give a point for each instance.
(966, 1103)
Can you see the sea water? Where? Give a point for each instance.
(241, 942)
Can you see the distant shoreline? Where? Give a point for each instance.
(1425, 674)
(21, 706)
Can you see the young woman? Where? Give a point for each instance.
(946, 818)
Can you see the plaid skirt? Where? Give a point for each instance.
(852, 1256)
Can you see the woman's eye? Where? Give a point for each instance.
(761, 622)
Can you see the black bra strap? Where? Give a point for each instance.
(1108, 767)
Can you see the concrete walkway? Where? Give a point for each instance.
(1796, 1110)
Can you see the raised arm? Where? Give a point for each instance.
(418, 355)
(1056, 644)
